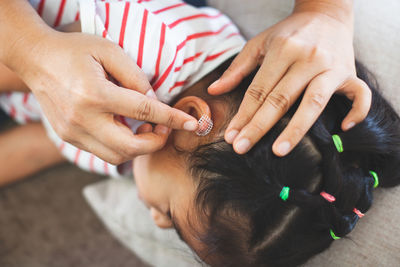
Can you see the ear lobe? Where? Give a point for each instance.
(161, 220)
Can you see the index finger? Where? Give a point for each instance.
(137, 106)
(314, 101)
(243, 64)
(267, 77)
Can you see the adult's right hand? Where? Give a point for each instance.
(69, 75)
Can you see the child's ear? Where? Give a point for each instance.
(160, 219)
(197, 107)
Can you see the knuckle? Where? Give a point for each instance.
(317, 100)
(116, 159)
(131, 150)
(170, 120)
(279, 101)
(320, 56)
(287, 43)
(257, 128)
(367, 91)
(298, 132)
(257, 93)
(251, 44)
(83, 95)
(73, 117)
(64, 132)
(144, 111)
(282, 40)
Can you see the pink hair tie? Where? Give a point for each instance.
(359, 213)
(328, 197)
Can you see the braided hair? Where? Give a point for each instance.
(246, 223)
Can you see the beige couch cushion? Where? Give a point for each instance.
(374, 242)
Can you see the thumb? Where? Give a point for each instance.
(243, 64)
(357, 91)
(122, 68)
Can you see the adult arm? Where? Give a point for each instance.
(310, 51)
(68, 74)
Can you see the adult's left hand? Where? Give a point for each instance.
(311, 50)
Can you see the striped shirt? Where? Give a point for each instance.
(175, 44)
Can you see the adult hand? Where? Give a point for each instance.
(69, 75)
(310, 50)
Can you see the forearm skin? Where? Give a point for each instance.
(341, 10)
(21, 28)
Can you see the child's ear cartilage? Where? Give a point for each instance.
(205, 126)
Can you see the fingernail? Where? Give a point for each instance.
(214, 83)
(231, 135)
(190, 125)
(152, 94)
(242, 146)
(283, 148)
(161, 129)
(350, 125)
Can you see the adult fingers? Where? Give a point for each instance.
(100, 150)
(122, 68)
(140, 107)
(265, 80)
(122, 140)
(358, 91)
(275, 106)
(315, 98)
(243, 64)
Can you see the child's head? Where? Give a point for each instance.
(227, 206)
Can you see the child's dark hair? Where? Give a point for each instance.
(246, 222)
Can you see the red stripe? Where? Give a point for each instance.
(123, 27)
(168, 8)
(26, 118)
(26, 98)
(204, 34)
(77, 16)
(61, 147)
(190, 37)
(173, 24)
(123, 121)
(187, 60)
(105, 167)
(212, 57)
(232, 34)
(41, 7)
(160, 48)
(142, 36)
(107, 20)
(91, 163)
(13, 112)
(77, 154)
(60, 13)
(177, 84)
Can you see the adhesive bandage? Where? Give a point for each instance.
(205, 126)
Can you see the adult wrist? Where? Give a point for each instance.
(20, 32)
(340, 10)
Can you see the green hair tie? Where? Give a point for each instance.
(338, 143)
(284, 195)
(333, 235)
(376, 179)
